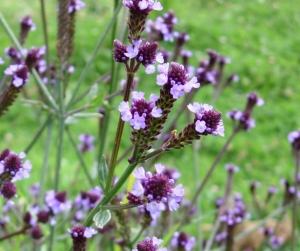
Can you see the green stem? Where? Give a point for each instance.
(85, 169)
(109, 196)
(38, 134)
(46, 40)
(118, 207)
(211, 169)
(45, 164)
(137, 237)
(114, 156)
(294, 221)
(91, 60)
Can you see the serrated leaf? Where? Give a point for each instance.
(101, 218)
(102, 172)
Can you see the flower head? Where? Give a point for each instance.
(86, 141)
(57, 202)
(75, 5)
(155, 190)
(141, 111)
(175, 81)
(149, 245)
(182, 241)
(294, 139)
(207, 121)
(19, 74)
(12, 168)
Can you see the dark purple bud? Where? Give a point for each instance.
(8, 190)
(119, 52)
(61, 196)
(147, 53)
(36, 232)
(27, 218)
(12, 164)
(43, 216)
(4, 154)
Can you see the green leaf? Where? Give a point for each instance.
(97, 100)
(103, 171)
(101, 218)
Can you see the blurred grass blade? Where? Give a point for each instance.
(102, 172)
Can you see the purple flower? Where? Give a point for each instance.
(36, 232)
(276, 241)
(294, 139)
(79, 231)
(86, 141)
(182, 241)
(57, 202)
(11, 166)
(141, 111)
(27, 23)
(155, 190)
(8, 190)
(1, 61)
(149, 245)
(162, 28)
(244, 118)
(19, 73)
(175, 80)
(207, 121)
(75, 5)
(144, 5)
(231, 168)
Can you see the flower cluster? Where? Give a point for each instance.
(141, 111)
(154, 190)
(75, 5)
(12, 169)
(235, 215)
(182, 241)
(139, 11)
(19, 73)
(144, 53)
(294, 139)
(86, 201)
(149, 245)
(162, 28)
(86, 143)
(26, 24)
(79, 235)
(207, 121)
(174, 81)
(57, 202)
(244, 117)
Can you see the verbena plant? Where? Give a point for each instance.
(118, 213)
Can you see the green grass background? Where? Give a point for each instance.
(262, 39)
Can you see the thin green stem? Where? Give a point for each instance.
(45, 33)
(91, 60)
(294, 220)
(38, 134)
(110, 195)
(45, 164)
(211, 169)
(137, 237)
(85, 169)
(119, 133)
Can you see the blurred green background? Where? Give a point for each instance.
(260, 37)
